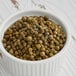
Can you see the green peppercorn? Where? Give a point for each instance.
(38, 46)
(34, 38)
(11, 51)
(50, 54)
(40, 41)
(42, 53)
(29, 38)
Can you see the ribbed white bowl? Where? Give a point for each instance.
(18, 67)
(23, 69)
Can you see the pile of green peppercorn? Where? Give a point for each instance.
(34, 38)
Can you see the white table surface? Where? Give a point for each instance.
(64, 8)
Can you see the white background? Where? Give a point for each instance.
(64, 8)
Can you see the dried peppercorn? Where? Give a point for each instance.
(34, 38)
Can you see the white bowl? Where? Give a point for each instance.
(46, 67)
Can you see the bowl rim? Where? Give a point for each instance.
(39, 61)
